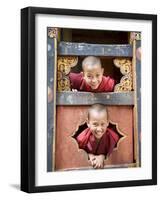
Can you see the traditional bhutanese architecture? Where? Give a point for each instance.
(67, 111)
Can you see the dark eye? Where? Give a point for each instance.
(94, 124)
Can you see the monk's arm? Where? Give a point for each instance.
(91, 158)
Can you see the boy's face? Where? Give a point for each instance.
(93, 75)
(97, 123)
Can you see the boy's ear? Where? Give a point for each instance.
(108, 122)
(102, 70)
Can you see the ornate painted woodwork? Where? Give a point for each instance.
(64, 65)
(68, 110)
(125, 66)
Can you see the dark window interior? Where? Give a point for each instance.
(84, 126)
(94, 36)
(97, 37)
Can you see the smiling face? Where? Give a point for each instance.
(93, 75)
(97, 123)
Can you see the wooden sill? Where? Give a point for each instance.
(89, 98)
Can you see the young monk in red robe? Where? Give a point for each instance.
(97, 140)
(91, 79)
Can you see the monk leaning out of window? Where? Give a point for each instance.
(92, 78)
(97, 140)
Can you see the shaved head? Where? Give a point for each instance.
(91, 61)
(97, 109)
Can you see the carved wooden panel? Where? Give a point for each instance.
(69, 156)
(126, 81)
(64, 64)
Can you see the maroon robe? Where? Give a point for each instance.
(77, 82)
(104, 145)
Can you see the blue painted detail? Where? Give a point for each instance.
(88, 98)
(50, 79)
(84, 49)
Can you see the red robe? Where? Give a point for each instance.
(104, 145)
(77, 82)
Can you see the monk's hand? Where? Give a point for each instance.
(74, 90)
(99, 161)
(92, 159)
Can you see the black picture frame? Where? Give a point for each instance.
(28, 99)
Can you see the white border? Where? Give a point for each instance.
(90, 176)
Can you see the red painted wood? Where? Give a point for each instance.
(67, 153)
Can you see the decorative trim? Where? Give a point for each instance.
(63, 84)
(125, 66)
(52, 32)
(135, 36)
(64, 65)
(135, 109)
(85, 154)
(54, 103)
(120, 132)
